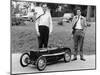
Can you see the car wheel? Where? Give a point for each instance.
(25, 60)
(41, 63)
(67, 56)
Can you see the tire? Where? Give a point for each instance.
(24, 60)
(67, 56)
(41, 63)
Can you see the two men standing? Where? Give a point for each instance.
(44, 28)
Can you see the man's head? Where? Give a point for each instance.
(44, 6)
(78, 11)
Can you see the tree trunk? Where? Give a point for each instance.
(88, 13)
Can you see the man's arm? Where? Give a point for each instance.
(73, 24)
(50, 26)
(85, 24)
(37, 26)
(73, 21)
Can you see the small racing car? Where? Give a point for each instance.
(40, 58)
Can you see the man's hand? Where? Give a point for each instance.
(38, 33)
(49, 33)
(71, 36)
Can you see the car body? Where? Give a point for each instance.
(19, 19)
(67, 17)
(40, 58)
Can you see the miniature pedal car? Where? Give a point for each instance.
(40, 58)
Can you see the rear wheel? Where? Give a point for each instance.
(41, 63)
(25, 60)
(67, 56)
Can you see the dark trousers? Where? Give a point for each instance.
(44, 36)
(78, 37)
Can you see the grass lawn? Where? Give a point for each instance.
(24, 38)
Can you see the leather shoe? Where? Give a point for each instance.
(74, 59)
(82, 59)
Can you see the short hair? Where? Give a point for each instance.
(75, 10)
(78, 8)
(44, 5)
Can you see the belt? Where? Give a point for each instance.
(42, 25)
(79, 29)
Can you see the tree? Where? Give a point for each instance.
(88, 13)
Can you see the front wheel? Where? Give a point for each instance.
(41, 63)
(24, 60)
(67, 56)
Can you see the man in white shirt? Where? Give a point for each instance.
(79, 24)
(44, 27)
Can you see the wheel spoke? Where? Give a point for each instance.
(24, 61)
(41, 63)
(67, 57)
